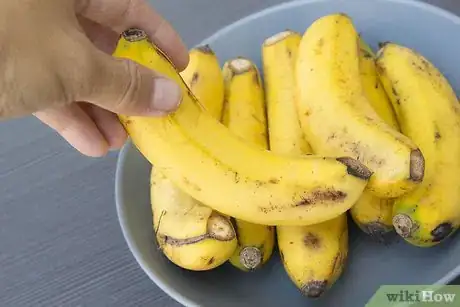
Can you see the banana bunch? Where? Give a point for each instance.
(197, 153)
(278, 157)
(428, 112)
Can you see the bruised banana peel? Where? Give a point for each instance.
(313, 256)
(197, 153)
(244, 115)
(336, 116)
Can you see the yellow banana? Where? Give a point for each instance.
(373, 88)
(313, 256)
(204, 69)
(244, 115)
(337, 117)
(283, 124)
(197, 153)
(371, 213)
(428, 112)
(190, 234)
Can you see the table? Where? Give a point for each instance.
(60, 241)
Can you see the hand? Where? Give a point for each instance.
(56, 63)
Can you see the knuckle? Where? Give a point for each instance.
(130, 89)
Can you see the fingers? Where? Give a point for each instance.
(75, 126)
(102, 37)
(125, 87)
(108, 124)
(121, 15)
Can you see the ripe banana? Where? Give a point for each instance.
(204, 69)
(313, 256)
(244, 115)
(198, 153)
(337, 117)
(372, 214)
(428, 112)
(190, 234)
(283, 124)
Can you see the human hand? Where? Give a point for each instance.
(56, 63)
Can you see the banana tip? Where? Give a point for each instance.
(134, 34)
(314, 289)
(251, 257)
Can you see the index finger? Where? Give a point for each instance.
(121, 15)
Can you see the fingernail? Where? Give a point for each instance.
(166, 95)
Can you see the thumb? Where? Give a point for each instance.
(125, 87)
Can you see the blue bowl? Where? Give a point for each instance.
(430, 31)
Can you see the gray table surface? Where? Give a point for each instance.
(60, 241)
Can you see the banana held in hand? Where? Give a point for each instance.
(428, 112)
(313, 256)
(372, 214)
(244, 115)
(198, 153)
(337, 117)
(204, 78)
(191, 235)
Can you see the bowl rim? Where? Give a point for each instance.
(128, 146)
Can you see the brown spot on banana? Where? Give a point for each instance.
(205, 49)
(195, 78)
(312, 241)
(337, 262)
(417, 166)
(322, 195)
(274, 180)
(355, 168)
(314, 289)
(211, 261)
(442, 231)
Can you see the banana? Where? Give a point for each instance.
(190, 234)
(313, 256)
(283, 124)
(372, 214)
(373, 89)
(336, 116)
(198, 153)
(428, 112)
(204, 69)
(244, 115)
